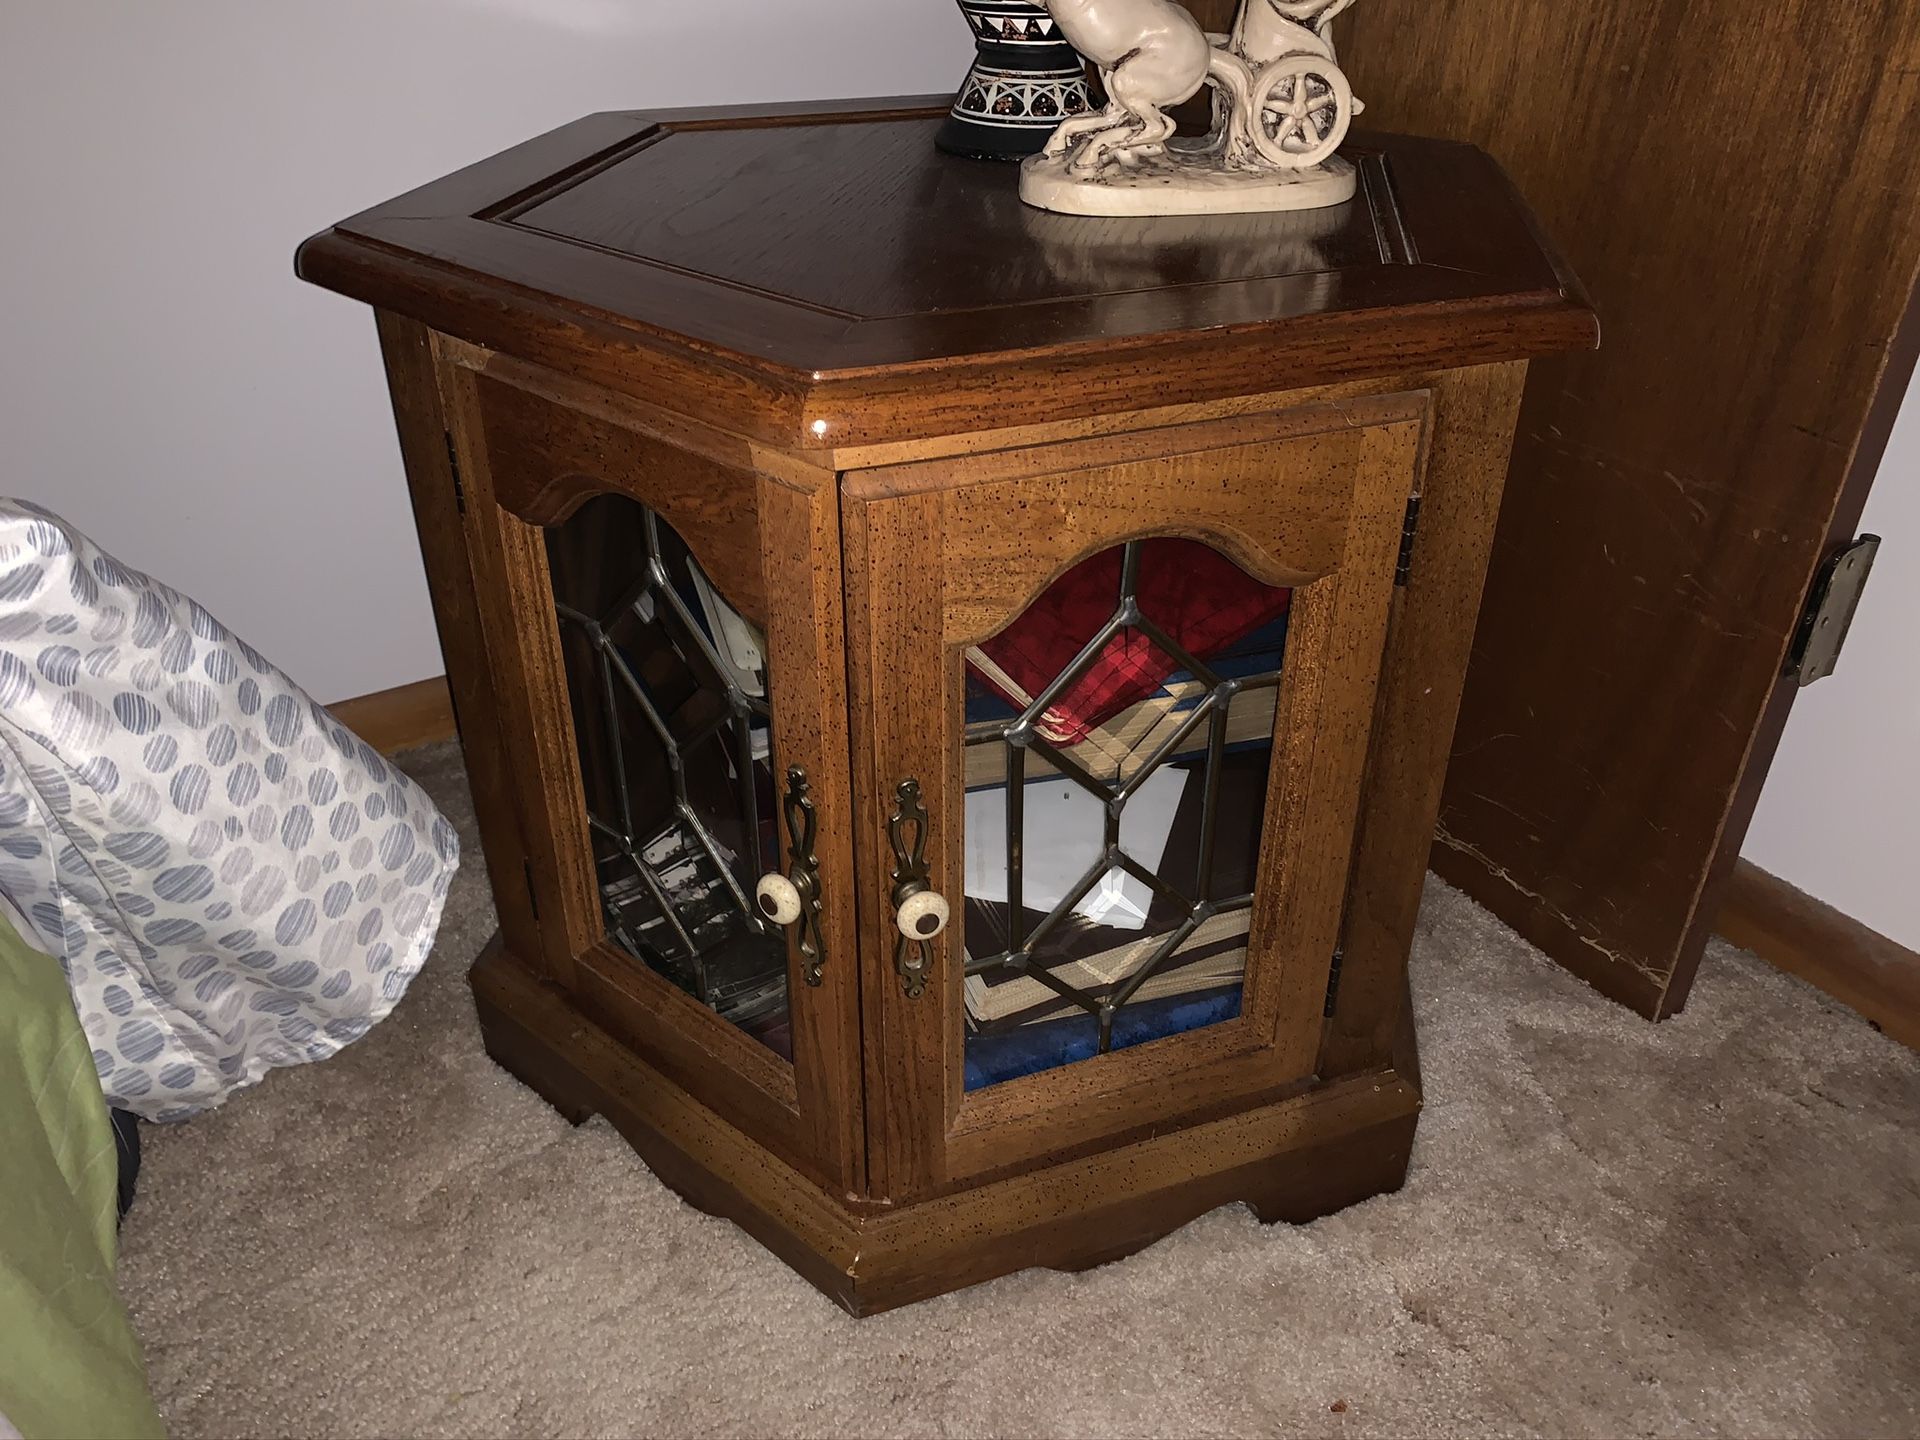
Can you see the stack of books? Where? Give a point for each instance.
(1214, 956)
(1096, 959)
(734, 966)
(1191, 593)
(1134, 697)
(1110, 752)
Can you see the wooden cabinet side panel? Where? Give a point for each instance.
(425, 448)
(770, 543)
(1425, 671)
(1307, 852)
(894, 562)
(800, 538)
(515, 599)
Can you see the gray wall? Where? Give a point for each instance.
(166, 384)
(1840, 816)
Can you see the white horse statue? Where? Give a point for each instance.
(1283, 108)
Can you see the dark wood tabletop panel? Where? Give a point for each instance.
(796, 256)
(865, 222)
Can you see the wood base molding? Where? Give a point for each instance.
(1292, 1161)
(401, 718)
(1860, 968)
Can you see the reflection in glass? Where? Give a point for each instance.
(668, 684)
(1120, 735)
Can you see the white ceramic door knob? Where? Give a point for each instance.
(779, 899)
(923, 916)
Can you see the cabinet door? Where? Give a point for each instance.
(663, 619)
(1117, 696)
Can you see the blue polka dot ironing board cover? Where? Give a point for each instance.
(232, 881)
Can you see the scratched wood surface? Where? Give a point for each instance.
(1735, 184)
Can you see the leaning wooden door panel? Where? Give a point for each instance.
(1673, 494)
(666, 625)
(1139, 810)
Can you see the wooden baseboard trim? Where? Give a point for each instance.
(1860, 968)
(401, 718)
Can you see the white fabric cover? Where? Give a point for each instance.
(231, 879)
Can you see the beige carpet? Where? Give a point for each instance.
(1710, 1227)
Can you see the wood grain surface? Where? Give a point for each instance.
(1857, 965)
(533, 454)
(833, 280)
(1735, 184)
(1293, 1160)
(943, 556)
(402, 718)
(420, 413)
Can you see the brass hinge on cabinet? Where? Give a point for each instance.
(1333, 983)
(453, 468)
(1831, 606)
(1409, 535)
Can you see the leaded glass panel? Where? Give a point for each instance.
(673, 717)
(1119, 741)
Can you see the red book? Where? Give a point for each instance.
(1201, 599)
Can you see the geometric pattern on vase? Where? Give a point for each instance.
(1024, 81)
(1021, 99)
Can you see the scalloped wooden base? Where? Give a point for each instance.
(1295, 1160)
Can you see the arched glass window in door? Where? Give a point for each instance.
(672, 713)
(1119, 737)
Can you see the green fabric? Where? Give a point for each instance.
(69, 1363)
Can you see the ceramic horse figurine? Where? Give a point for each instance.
(1268, 31)
(1282, 99)
(1153, 56)
(1282, 109)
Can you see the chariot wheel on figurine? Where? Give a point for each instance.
(1302, 109)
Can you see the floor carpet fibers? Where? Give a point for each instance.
(1706, 1227)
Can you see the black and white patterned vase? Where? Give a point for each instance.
(1024, 82)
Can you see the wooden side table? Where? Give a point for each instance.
(956, 697)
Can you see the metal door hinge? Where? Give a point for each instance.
(1831, 606)
(453, 468)
(1409, 535)
(1333, 983)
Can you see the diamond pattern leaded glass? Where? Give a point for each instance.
(1120, 735)
(668, 684)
